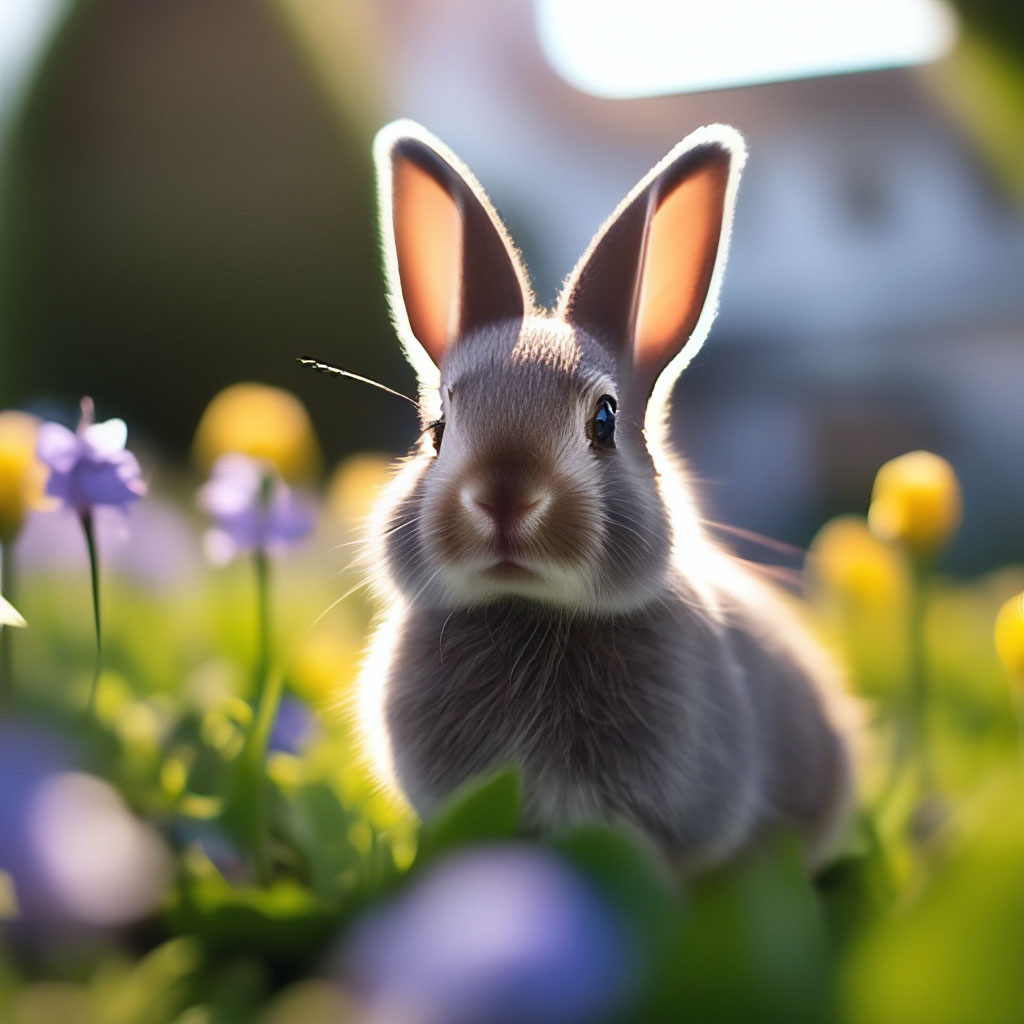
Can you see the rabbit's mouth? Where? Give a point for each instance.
(508, 569)
(496, 575)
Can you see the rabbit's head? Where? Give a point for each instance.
(541, 471)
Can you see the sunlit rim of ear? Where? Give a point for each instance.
(732, 141)
(723, 135)
(384, 144)
(389, 138)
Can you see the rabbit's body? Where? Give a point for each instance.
(658, 718)
(555, 603)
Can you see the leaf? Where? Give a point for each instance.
(9, 615)
(754, 947)
(284, 921)
(315, 823)
(628, 871)
(154, 990)
(478, 811)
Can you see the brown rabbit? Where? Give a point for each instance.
(552, 598)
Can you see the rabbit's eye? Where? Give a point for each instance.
(436, 433)
(602, 426)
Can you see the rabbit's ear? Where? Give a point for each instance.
(648, 285)
(449, 261)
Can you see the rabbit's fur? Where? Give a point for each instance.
(630, 668)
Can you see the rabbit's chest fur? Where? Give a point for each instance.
(637, 717)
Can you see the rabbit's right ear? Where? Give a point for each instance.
(647, 288)
(448, 259)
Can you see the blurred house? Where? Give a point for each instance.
(874, 300)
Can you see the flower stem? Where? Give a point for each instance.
(254, 754)
(930, 811)
(94, 570)
(910, 743)
(1018, 707)
(7, 588)
(918, 666)
(262, 567)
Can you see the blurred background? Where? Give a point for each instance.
(186, 200)
(189, 833)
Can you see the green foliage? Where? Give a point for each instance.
(475, 813)
(909, 923)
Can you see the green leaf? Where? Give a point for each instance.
(315, 823)
(478, 811)
(754, 947)
(153, 991)
(283, 921)
(630, 873)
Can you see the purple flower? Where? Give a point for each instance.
(294, 728)
(252, 508)
(78, 858)
(498, 935)
(91, 466)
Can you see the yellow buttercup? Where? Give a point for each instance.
(22, 475)
(916, 501)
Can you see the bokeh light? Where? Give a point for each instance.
(916, 500)
(1009, 636)
(262, 422)
(22, 475)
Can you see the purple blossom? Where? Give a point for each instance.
(493, 936)
(90, 466)
(78, 858)
(294, 728)
(252, 509)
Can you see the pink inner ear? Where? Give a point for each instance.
(682, 245)
(428, 245)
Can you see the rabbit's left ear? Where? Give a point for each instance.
(647, 288)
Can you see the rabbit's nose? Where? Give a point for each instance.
(508, 509)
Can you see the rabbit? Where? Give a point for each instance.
(552, 599)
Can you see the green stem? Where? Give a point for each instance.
(7, 588)
(94, 570)
(268, 696)
(262, 567)
(1018, 707)
(911, 734)
(246, 810)
(918, 665)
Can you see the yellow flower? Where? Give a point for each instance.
(261, 421)
(22, 475)
(848, 559)
(323, 668)
(1009, 636)
(356, 484)
(916, 501)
